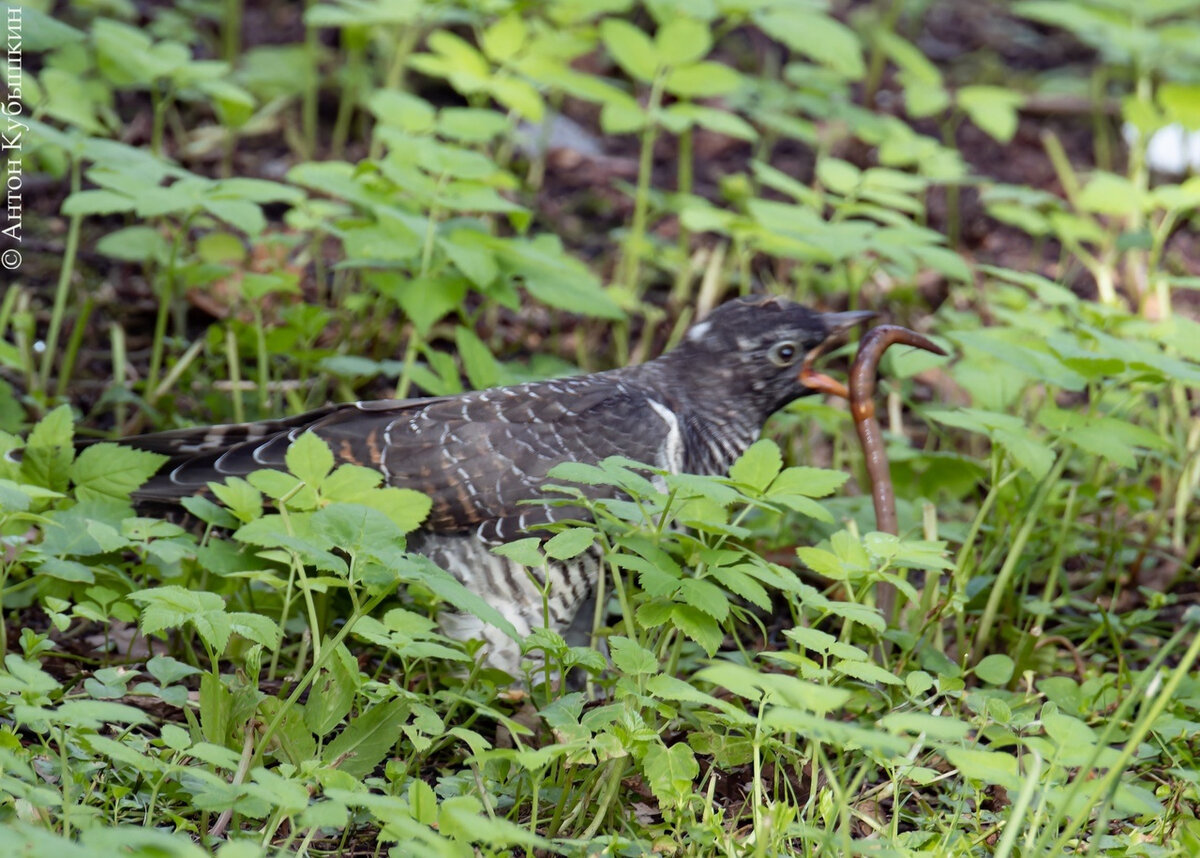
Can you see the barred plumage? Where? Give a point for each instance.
(479, 455)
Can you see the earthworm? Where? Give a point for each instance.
(861, 392)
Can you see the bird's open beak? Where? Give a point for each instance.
(837, 324)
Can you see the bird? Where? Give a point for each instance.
(484, 455)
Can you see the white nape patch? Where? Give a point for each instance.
(671, 453)
(698, 332)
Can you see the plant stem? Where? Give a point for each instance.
(632, 260)
(235, 375)
(1015, 552)
(64, 283)
(73, 343)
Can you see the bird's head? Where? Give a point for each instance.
(751, 350)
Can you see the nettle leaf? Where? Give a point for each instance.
(699, 626)
(112, 471)
(48, 452)
(350, 482)
(355, 528)
(446, 587)
(758, 466)
(310, 459)
(671, 773)
(173, 606)
(867, 672)
(738, 582)
(570, 543)
(256, 627)
(630, 657)
(806, 481)
(706, 596)
(406, 508)
(243, 500)
(483, 371)
(525, 551)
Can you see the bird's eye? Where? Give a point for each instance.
(783, 354)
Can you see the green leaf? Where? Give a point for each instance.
(706, 596)
(630, 657)
(996, 669)
(95, 714)
(671, 773)
(557, 279)
(332, 693)
(520, 96)
(702, 80)
(172, 606)
(367, 739)
(503, 39)
(816, 35)
(96, 202)
(867, 672)
(112, 471)
(758, 466)
(682, 41)
(243, 500)
(988, 767)
(1110, 194)
(992, 108)
(406, 508)
(481, 367)
(65, 570)
(461, 817)
(355, 528)
(711, 118)
(631, 48)
(134, 244)
(47, 457)
(839, 176)
(699, 626)
(570, 543)
(255, 627)
(525, 551)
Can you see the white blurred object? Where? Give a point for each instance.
(1173, 149)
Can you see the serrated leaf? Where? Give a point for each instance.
(112, 471)
(671, 773)
(867, 672)
(310, 459)
(630, 657)
(758, 466)
(49, 451)
(706, 596)
(698, 626)
(569, 543)
(243, 500)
